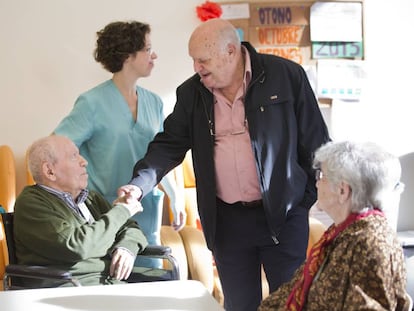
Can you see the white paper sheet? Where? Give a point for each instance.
(340, 79)
(235, 11)
(336, 21)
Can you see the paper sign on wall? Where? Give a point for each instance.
(336, 21)
(340, 79)
(235, 11)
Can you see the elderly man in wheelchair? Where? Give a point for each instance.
(59, 224)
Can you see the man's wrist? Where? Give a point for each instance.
(140, 191)
(125, 249)
(125, 206)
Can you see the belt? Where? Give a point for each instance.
(252, 204)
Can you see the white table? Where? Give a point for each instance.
(153, 296)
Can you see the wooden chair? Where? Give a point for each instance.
(29, 177)
(4, 254)
(7, 178)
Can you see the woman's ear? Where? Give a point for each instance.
(344, 192)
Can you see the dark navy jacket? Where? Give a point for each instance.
(285, 125)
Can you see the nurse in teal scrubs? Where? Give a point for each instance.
(113, 123)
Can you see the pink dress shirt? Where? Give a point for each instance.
(236, 174)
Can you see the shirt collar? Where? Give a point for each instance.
(65, 196)
(247, 66)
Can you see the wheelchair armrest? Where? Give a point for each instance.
(38, 272)
(156, 250)
(165, 252)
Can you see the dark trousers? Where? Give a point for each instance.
(243, 244)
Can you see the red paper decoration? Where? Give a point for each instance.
(208, 10)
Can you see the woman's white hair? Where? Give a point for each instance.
(372, 173)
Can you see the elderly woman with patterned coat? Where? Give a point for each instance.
(358, 263)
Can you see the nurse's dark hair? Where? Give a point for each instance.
(117, 41)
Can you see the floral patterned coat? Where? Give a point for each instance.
(365, 270)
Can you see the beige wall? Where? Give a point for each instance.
(46, 62)
(46, 58)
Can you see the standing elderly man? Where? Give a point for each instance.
(58, 223)
(252, 123)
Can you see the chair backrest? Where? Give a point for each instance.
(173, 239)
(4, 255)
(7, 220)
(7, 178)
(193, 218)
(406, 209)
(29, 177)
(184, 177)
(316, 230)
(7, 251)
(188, 170)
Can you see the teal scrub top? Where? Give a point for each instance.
(101, 125)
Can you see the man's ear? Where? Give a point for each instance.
(48, 171)
(231, 49)
(344, 192)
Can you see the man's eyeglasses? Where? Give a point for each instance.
(318, 174)
(228, 133)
